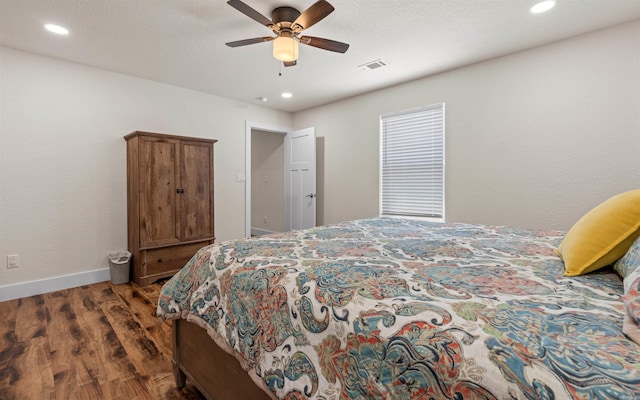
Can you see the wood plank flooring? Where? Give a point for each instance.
(100, 341)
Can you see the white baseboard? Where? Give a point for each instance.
(260, 232)
(26, 289)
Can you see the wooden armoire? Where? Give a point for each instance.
(169, 202)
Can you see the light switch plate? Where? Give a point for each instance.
(13, 261)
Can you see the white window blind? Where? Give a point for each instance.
(412, 162)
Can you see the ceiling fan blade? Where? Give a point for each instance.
(290, 63)
(324, 44)
(250, 12)
(313, 14)
(245, 42)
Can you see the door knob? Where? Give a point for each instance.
(310, 195)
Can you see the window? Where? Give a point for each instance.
(412, 162)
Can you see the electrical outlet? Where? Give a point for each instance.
(13, 261)
(265, 219)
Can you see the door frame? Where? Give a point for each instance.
(250, 126)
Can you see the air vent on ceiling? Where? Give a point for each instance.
(379, 63)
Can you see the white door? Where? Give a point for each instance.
(300, 179)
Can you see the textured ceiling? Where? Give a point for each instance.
(181, 42)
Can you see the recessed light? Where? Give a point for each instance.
(262, 98)
(543, 6)
(56, 29)
(287, 95)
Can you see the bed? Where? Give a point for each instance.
(390, 308)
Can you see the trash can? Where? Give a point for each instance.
(119, 265)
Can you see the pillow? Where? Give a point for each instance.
(631, 322)
(627, 264)
(602, 235)
(631, 329)
(629, 269)
(632, 301)
(630, 278)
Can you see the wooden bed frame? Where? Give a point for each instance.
(216, 374)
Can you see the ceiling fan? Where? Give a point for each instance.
(287, 23)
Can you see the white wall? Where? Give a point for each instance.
(63, 159)
(533, 139)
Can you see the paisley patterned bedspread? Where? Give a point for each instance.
(401, 309)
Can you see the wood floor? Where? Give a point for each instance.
(93, 342)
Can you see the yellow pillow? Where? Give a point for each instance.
(602, 235)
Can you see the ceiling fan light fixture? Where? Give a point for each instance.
(285, 48)
(287, 23)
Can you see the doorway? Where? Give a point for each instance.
(267, 182)
(250, 129)
(299, 175)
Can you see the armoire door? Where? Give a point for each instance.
(159, 179)
(196, 195)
